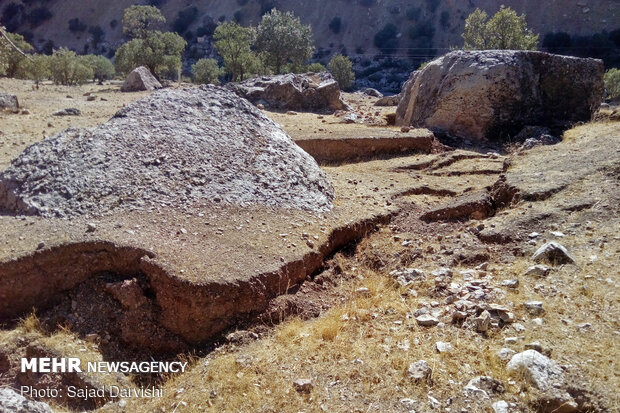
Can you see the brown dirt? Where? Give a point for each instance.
(190, 273)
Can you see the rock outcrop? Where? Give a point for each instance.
(317, 92)
(8, 101)
(174, 147)
(13, 402)
(140, 79)
(493, 94)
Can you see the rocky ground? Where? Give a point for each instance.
(431, 296)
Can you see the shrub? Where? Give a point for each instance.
(425, 29)
(97, 34)
(38, 16)
(505, 30)
(66, 68)
(11, 61)
(233, 42)
(103, 69)
(159, 52)
(206, 71)
(315, 68)
(38, 68)
(184, 19)
(386, 40)
(139, 21)
(413, 13)
(340, 67)
(612, 83)
(75, 25)
(283, 39)
(335, 25)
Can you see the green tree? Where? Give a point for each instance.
(139, 21)
(102, 67)
(11, 60)
(66, 68)
(206, 71)
(315, 67)
(38, 68)
(340, 67)
(233, 42)
(612, 83)
(505, 30)
(159, 52)
(283, 39)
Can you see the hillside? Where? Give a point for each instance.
(437, 24)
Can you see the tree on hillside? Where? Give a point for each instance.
(340, 67)
(206, 71)
(505, 30)
(159, 52)
(139, 21)
(12, 60)
(102, 67)
(38, 68)
(67, 68)
(284, 40)
(233, 42)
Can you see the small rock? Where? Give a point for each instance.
(90, 227)
(538, 270)
(11, 401)
(426, 320)
(535, 345)
(443, 347)
(536, 369)
(534, 307)
(420, 371)
(505, 353)
(511, 340)
(405, 129)
(500, 407)
(303, 385)
(41, 245)
(67, 112)
(91, 98)
(482, 322)
(553, 252)
(514, 283)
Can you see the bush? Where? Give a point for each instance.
(97, 34)
(233, 42)
(612, 83)
(184, 19)
(505, 30)
(159, 52)
(11, 61)
(283, 39)
(38, 68)
(139, 21)
(315, 68)
(66, 68)
(102, 68)
(335, 25)
(38, 16)
(413, 13)
(206, 71)
(340, 67)
(75, 25)
(386, 40)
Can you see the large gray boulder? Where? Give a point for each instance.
(8, 101)
(317, 92)
(140, 79)
(493, 94)
(175, 147)
(13, 402)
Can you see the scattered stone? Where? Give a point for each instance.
(67, 112)
(91, 98)
(388, 101)
(303, 92)
(514, 283)
(554, 253)
(443, 347)
(140, 79)
(518, 327)
(420, 371)
(13, 402)
(90, 227)
(534, 307)
(505, 353)
(500, 90)
(427, 320)
(303, 385)
(350, 118)
(482, 322)
(484, 387)
(408, 276)
(538, 270)
(8, 101)
(511, 340)
(177, 144)
(372, 92)
(536, 369)
(500, 407)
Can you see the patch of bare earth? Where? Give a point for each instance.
(332, 298)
